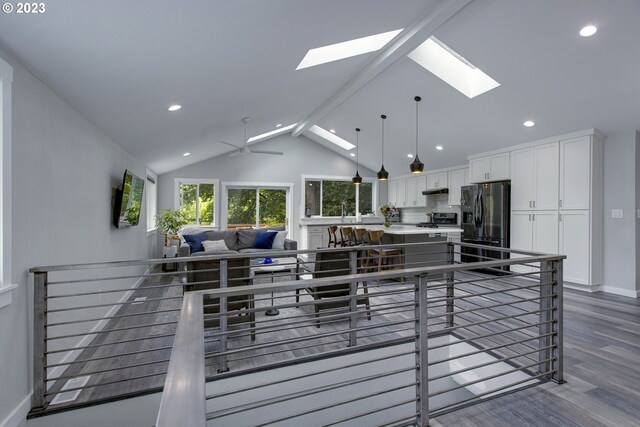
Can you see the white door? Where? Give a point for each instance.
(547, 175)
(499, 167)
(392, 196)
(521, 236)
(412, 190)
(457, 179)
(575, 166)
(479, 169)
(545, 232)
(401, 193)
(574, 243)
(522, 179)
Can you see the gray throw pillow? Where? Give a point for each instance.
(229, 236)
(247, 238)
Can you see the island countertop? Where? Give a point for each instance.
(403, 230)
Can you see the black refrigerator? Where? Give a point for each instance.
(486, 209)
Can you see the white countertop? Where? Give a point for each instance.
(366, 220)
(401, 230)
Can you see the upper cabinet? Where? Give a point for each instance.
(575, 173)
(494, 167)
(534, 178)
(457, 179)
(438, 180)
(415, 186)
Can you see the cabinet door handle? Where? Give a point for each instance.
(534, 203)
(529, 217)
(534, 217)
(529, 203)
(560, 202)
(489, 175)
(559, 217)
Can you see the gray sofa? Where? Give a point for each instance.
(238, 241)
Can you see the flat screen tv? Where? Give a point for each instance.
(128, 201)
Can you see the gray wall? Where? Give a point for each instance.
(620, 152)
(64, 170)
(636, 215)
(302, 157)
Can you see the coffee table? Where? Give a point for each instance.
(279, 265)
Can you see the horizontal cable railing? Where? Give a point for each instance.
(108, 330)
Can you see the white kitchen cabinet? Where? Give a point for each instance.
(401, 193)
(316, 237)
(494, 167)
(575, 243)
(415, 186)
(437, 181)
(535, 231)
(457, 179)
(575, 173)
(534, 178)
(392, 194)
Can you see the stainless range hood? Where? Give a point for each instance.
(438, 191)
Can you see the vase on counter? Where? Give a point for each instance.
(387, 222)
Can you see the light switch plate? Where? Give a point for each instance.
(617, 213)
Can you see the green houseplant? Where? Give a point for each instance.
(170, 221)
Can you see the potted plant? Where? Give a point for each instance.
(170, 221)
(388, 210)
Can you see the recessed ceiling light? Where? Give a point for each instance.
(271, 133)
(278, 125)
(529, 123)
(588, 31)
(410, 156)
(335, 139)
(334, 52)
(352, 154)
(174, 107)
(439, 147)
(186, 154)
(332, 130)
(448, 65)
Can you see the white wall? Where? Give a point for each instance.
(302, 157)
(64, 169)
(620, 151)
(637, 182)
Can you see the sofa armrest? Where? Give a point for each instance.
(184, 250)
(290, 245)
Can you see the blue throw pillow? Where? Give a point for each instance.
(195, 241)
(265, 240)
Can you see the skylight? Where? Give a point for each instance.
(334, 52)
(335, 139)
(449, 66)
(271, 133)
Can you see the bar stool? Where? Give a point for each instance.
(333, 240)
(377, 256)
(346, 235)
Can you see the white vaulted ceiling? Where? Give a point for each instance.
(122, 63)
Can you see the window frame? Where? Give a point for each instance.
(6, 83)
(374, 191)
(224, 205)
(216, 198)
(151, 194)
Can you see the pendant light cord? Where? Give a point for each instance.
(383, 117)
(357, 149)
(417, 98)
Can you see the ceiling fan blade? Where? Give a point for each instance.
(277, 153)
(224, 142)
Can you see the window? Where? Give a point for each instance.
(196, 199)
(335, 196)
(6, 79)
(152, 201)
(257, 206)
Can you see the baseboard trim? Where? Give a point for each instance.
(86, 340)
(19, 413)
(620, 291)
(583, 288)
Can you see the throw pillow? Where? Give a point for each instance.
(195, 241)
(265, 240)
(278, 242)
(214, 245)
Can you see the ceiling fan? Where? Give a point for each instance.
(245, 149)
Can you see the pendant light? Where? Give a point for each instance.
(357, 179)
(383, 175)
(417, 166)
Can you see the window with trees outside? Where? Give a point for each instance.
(333, 197)
(196, 199)
(259, 207)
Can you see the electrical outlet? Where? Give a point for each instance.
(617, 213)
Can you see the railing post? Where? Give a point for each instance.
(546, 317)
(353, 299)
(222, 366)
(422, 353)
(39, 339)
(449, 277)
(558, 302)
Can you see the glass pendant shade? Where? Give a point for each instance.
(383, 175)
(357, 179)
(416, 166)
